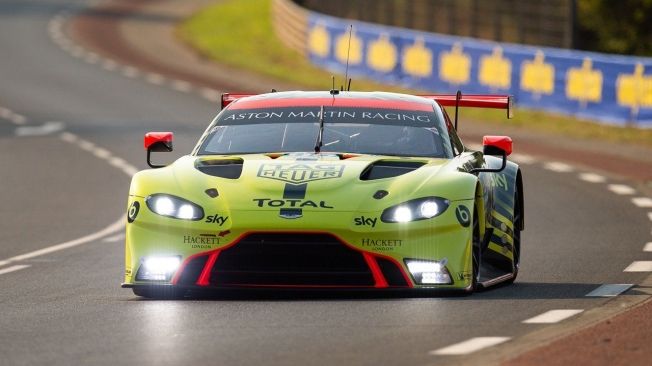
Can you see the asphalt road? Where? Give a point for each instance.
(67, 307)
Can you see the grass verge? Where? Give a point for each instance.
(240, 34)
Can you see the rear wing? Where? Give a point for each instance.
(446, 100)
(228, 98)
(475, 100)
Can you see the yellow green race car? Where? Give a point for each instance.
(332, 189)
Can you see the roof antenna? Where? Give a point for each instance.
(348, 88)
(458, 96)
(348, 53)
(334, 91)
(320, 137)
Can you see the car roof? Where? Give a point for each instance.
(381, 100)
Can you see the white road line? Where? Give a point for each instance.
(15, 268)
(649, 215)
(621, 189)
(65, 43)
(155, 79)
(592, 178)
(211, 94)
(17, 119)
(68, 137)
(610, 290)
(130, 170)
(648, 247)
(114, 238)
(553, 316)
(130, 72)
(558, 167)
(642, 202)
(46, 129)
(101, 153)
(109, 65)
(470, 346)
(522, 158)
(77, 52)
(86, 145)
(111, 229)
(639, 266)
(117, 162)
(182, 86)
(91, 58)
(57, 37)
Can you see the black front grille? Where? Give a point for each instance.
(392, 274)
(192, 270)
(291, 260)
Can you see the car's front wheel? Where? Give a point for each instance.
(476, 252)
(516, 222)
(161, 292)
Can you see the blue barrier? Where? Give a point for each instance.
(607, 88)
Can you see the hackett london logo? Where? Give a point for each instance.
(300, 173)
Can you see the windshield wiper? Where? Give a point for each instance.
(320, 136)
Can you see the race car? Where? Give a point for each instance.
(328, 190)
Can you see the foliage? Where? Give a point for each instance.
(623, 26)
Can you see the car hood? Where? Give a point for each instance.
(312, 182)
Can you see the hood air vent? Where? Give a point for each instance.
(223, 168)
(387, 169)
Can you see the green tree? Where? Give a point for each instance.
(615, 26)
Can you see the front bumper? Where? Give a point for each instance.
(300, 255)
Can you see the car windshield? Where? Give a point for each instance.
(346, 130)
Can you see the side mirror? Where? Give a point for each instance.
(495, 146)
(158, 142)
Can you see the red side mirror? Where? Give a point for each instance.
(497, 145)
(157, 141)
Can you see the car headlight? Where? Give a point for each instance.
(175, 207)
(158, 268)
(417, 209)
(426, 272)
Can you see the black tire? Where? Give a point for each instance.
(476, 256)
(163, 292)
(516, 222)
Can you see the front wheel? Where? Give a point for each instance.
(476, 253)
(162, 292)
(516, 222)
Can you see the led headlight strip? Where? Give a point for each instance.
(174, 207)
(417, 209)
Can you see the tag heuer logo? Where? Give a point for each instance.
(300, 173)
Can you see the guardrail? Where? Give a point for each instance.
(607, 88)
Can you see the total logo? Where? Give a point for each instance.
(365, 221)
(268, 202)
(216, 219)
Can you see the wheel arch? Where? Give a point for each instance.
(521, 208)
